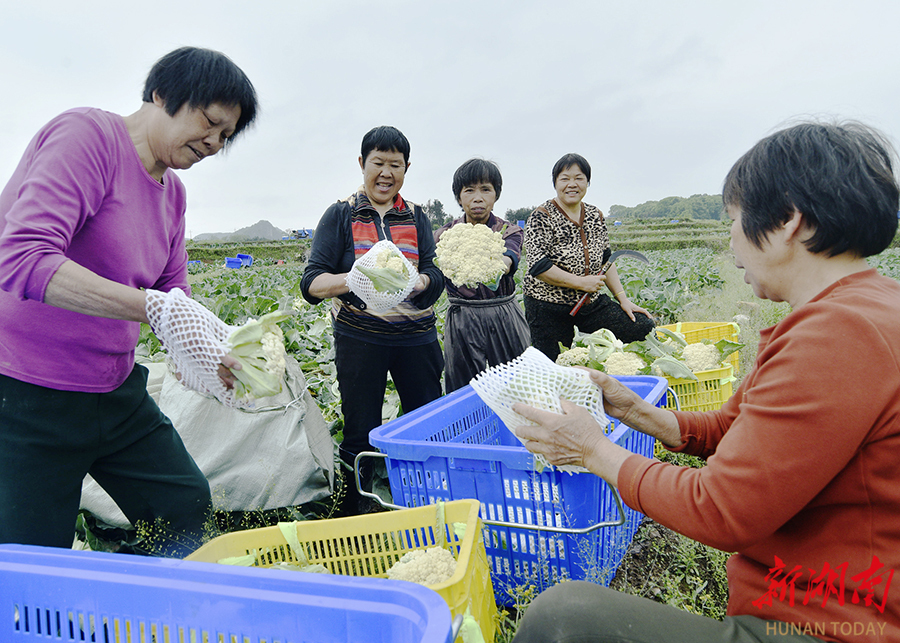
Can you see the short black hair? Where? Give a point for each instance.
(475, 171)
(386, 139)
(568, 160)
(201, 77)
(839, 176)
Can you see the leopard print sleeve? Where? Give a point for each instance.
(538, 237)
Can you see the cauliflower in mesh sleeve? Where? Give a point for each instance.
(469, 255)
(389, 274)
(430, 566)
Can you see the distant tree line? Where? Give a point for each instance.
(520, 214)
(698, 206)
(434, 210)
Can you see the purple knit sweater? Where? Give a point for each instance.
(81, 193)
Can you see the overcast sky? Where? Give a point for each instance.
(660, 97)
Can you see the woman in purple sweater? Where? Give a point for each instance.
(92, 219)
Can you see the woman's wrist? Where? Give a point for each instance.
(328, 285)
(618, 293)
(606, 459)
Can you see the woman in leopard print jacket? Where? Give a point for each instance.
(566, 243)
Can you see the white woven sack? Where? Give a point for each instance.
(155, 378)
(362, 287)
(534, 379)
(279, 454)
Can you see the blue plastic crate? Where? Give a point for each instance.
(64, 595)
(246, 260)
(233, 262)
(456, 447)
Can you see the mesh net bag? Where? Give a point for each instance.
(194, 338)
(361, 286)
(533, 379)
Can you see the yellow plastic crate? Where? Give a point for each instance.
(695, 331)
(708, 392)
(369, 545)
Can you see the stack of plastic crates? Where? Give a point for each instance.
(712, 388)
(540, 526)
(369, 545)
(64, 595)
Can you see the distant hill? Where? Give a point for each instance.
(260, 231)
(698, 206)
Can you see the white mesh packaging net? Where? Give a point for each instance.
(361, 286)
(534, 379)
(194, 338)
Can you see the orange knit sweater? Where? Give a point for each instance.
(803, 467)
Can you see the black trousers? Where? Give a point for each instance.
(50, 439)
(551, 324)
(362, 369)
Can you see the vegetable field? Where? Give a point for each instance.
(673, 282)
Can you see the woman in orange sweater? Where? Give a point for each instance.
(802, 478)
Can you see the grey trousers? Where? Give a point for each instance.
(479, 334)
(580, 612)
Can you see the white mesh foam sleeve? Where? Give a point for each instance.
(534, 379)
(194, 338)
(361, 286)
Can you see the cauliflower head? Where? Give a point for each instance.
(390, 260)
(701, 357)
(622, 363)
(470, 254)
(259, 346)
(430, 566)
(577, 356)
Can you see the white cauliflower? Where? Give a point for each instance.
(259, 346)
(469, 254)
(577, 356)
(390, 273)
(621, 363)
(701, 357)
(390, 260)
(431, 566)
